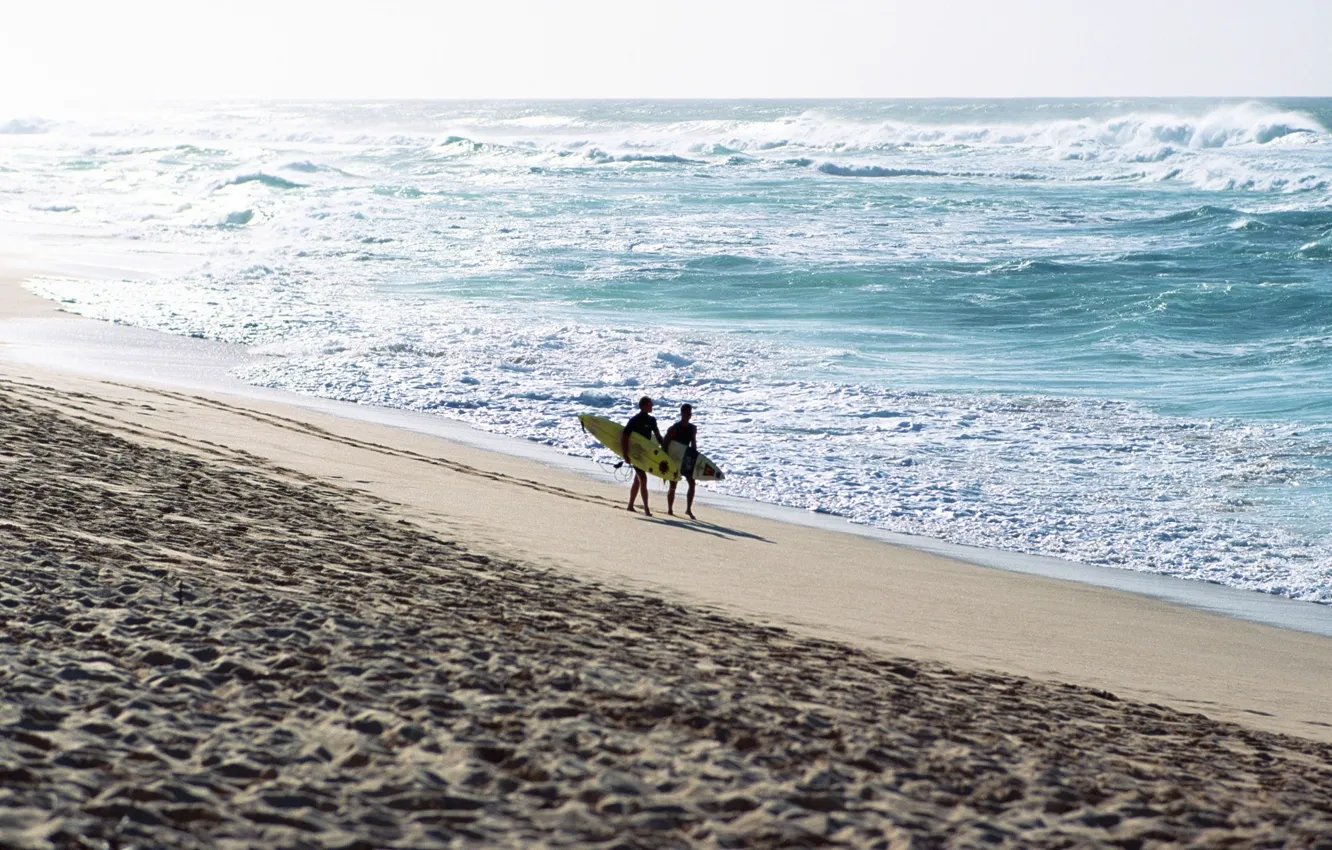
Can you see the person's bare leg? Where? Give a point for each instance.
(633, 492)
(670, 499)
(689, 499)
(642, 488)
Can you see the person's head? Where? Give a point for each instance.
(645, 404)
(686, 411)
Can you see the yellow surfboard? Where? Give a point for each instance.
(644, 454)
(704, 468)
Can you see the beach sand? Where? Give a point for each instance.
(233, 622)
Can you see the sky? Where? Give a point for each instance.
(76, 51)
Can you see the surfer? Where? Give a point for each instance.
(642, 423)
(684, 432)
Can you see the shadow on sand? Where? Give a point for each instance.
(711, 528)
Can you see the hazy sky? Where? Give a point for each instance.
(63, 50)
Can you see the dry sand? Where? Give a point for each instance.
(237, 623)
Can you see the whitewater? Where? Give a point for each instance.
(1099, 330)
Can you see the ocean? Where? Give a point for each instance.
(1099, 330)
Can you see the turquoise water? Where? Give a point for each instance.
(1093, 329)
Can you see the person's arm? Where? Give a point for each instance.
(657, 431)
(670, 435)
(624, 442)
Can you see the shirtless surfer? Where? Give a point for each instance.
(684, 432)
(642, 423)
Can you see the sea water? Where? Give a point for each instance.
(1100, 330)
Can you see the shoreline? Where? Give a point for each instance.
(128, 353)
(881, 596)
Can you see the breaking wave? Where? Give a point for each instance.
(1095, 330)
(882, 171)
(23, 126)
(269, 180)
(877, 171)
(1142, 136)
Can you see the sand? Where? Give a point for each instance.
(234, 622)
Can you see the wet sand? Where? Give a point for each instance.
(225, 627)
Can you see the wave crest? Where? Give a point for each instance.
(876, 171)
(23, 127)
(270, 180)
(837, 170)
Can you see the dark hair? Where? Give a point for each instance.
(644, 400)
(686, 408)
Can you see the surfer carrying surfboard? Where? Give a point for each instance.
(685, 433)
(642, 423)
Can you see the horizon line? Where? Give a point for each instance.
(134, 100)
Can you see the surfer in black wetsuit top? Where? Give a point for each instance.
(642, 423)
(684, 432)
